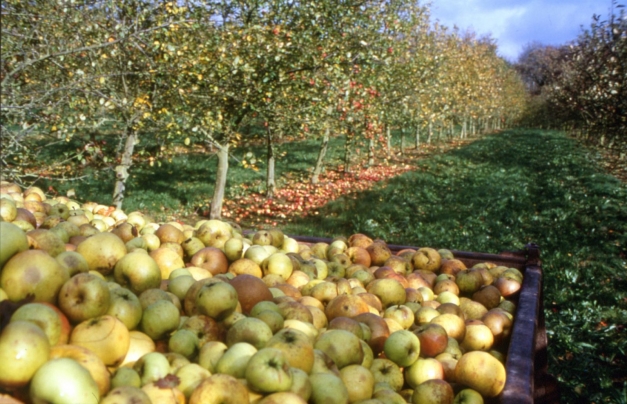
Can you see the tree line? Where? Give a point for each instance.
(202, 71)
(581, 87)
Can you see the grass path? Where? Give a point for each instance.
(499, 193)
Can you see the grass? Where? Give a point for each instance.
(500, 193)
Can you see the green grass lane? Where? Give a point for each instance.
(500, 193)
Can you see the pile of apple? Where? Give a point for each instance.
(99, 306)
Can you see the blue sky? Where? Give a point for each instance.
(516, 23)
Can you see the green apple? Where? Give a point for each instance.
(63, 380)
(273, 319)
(342, 346)
(235, 360)
(138, 272)
(278, 264)
(152, 367)
(386, 371)
(184, 342)
(84, 296)
(125, 306)
(468, 396)
(301, 385)
(268, 371)
(24, 348)
(390, 291)
(102, 251)
(13, 241)
(401, 314)
(179, 285)
(434, 391)
(206, 328)
(160, 318)
(327, 388)
(124, 376)
(47, 318)
(402, 347)
(422, 370)
(73, 262)
(250, 330)
(217, 300)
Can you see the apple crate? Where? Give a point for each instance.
(527, 378)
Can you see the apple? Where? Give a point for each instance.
(251, 330)
(50, 319)
(140, 344)
(469, 281)
(402, 314)
(84, 296)
(167, 260)
(478, 337)
(217, 300)
(125, 376)
(138, 272)
(268, 371)
(164, 391)
(220, 389)
(87, 359)
(24, 348)
(32, 272)
(152, 367)
(342, 346)
(102, 251)
(481, 372)
(327, 388)
(106, 336)
(388, 396)
(159, 319)
(424, 315)
(63, 380)
(468, 396)
(278, 264)
(346, 306)
(427, 259)
(210, 353)
(389, 291)
(472, 310)
(359, 382)
(282, 397)
(73, 262)
(433, 391)
(235, 360)
(297, 347)
(453, 324)
(190, 376)
(184, 342)
(498, 321)
(125, 306)
(379, 330)
(126, 394)
(388, 372)
(246, 266)
(379, 253)
(301, 385)
(212, 259)
(422, 370)
(402, 347)
(13, 240)
(179, 285)
(206, 328)
(452, 266)
(433, 339)
(348, 324)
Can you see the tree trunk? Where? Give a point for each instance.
(464, 133)
(402, 141)
(321, 153)
(121, 171)
(388, 138)
(430, 132)
(417, 137)
(270, 180)
(370, 152)
(347, 150)
(218, 193)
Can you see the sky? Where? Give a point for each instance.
(516, 23)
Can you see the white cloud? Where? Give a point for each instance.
(515, 23)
